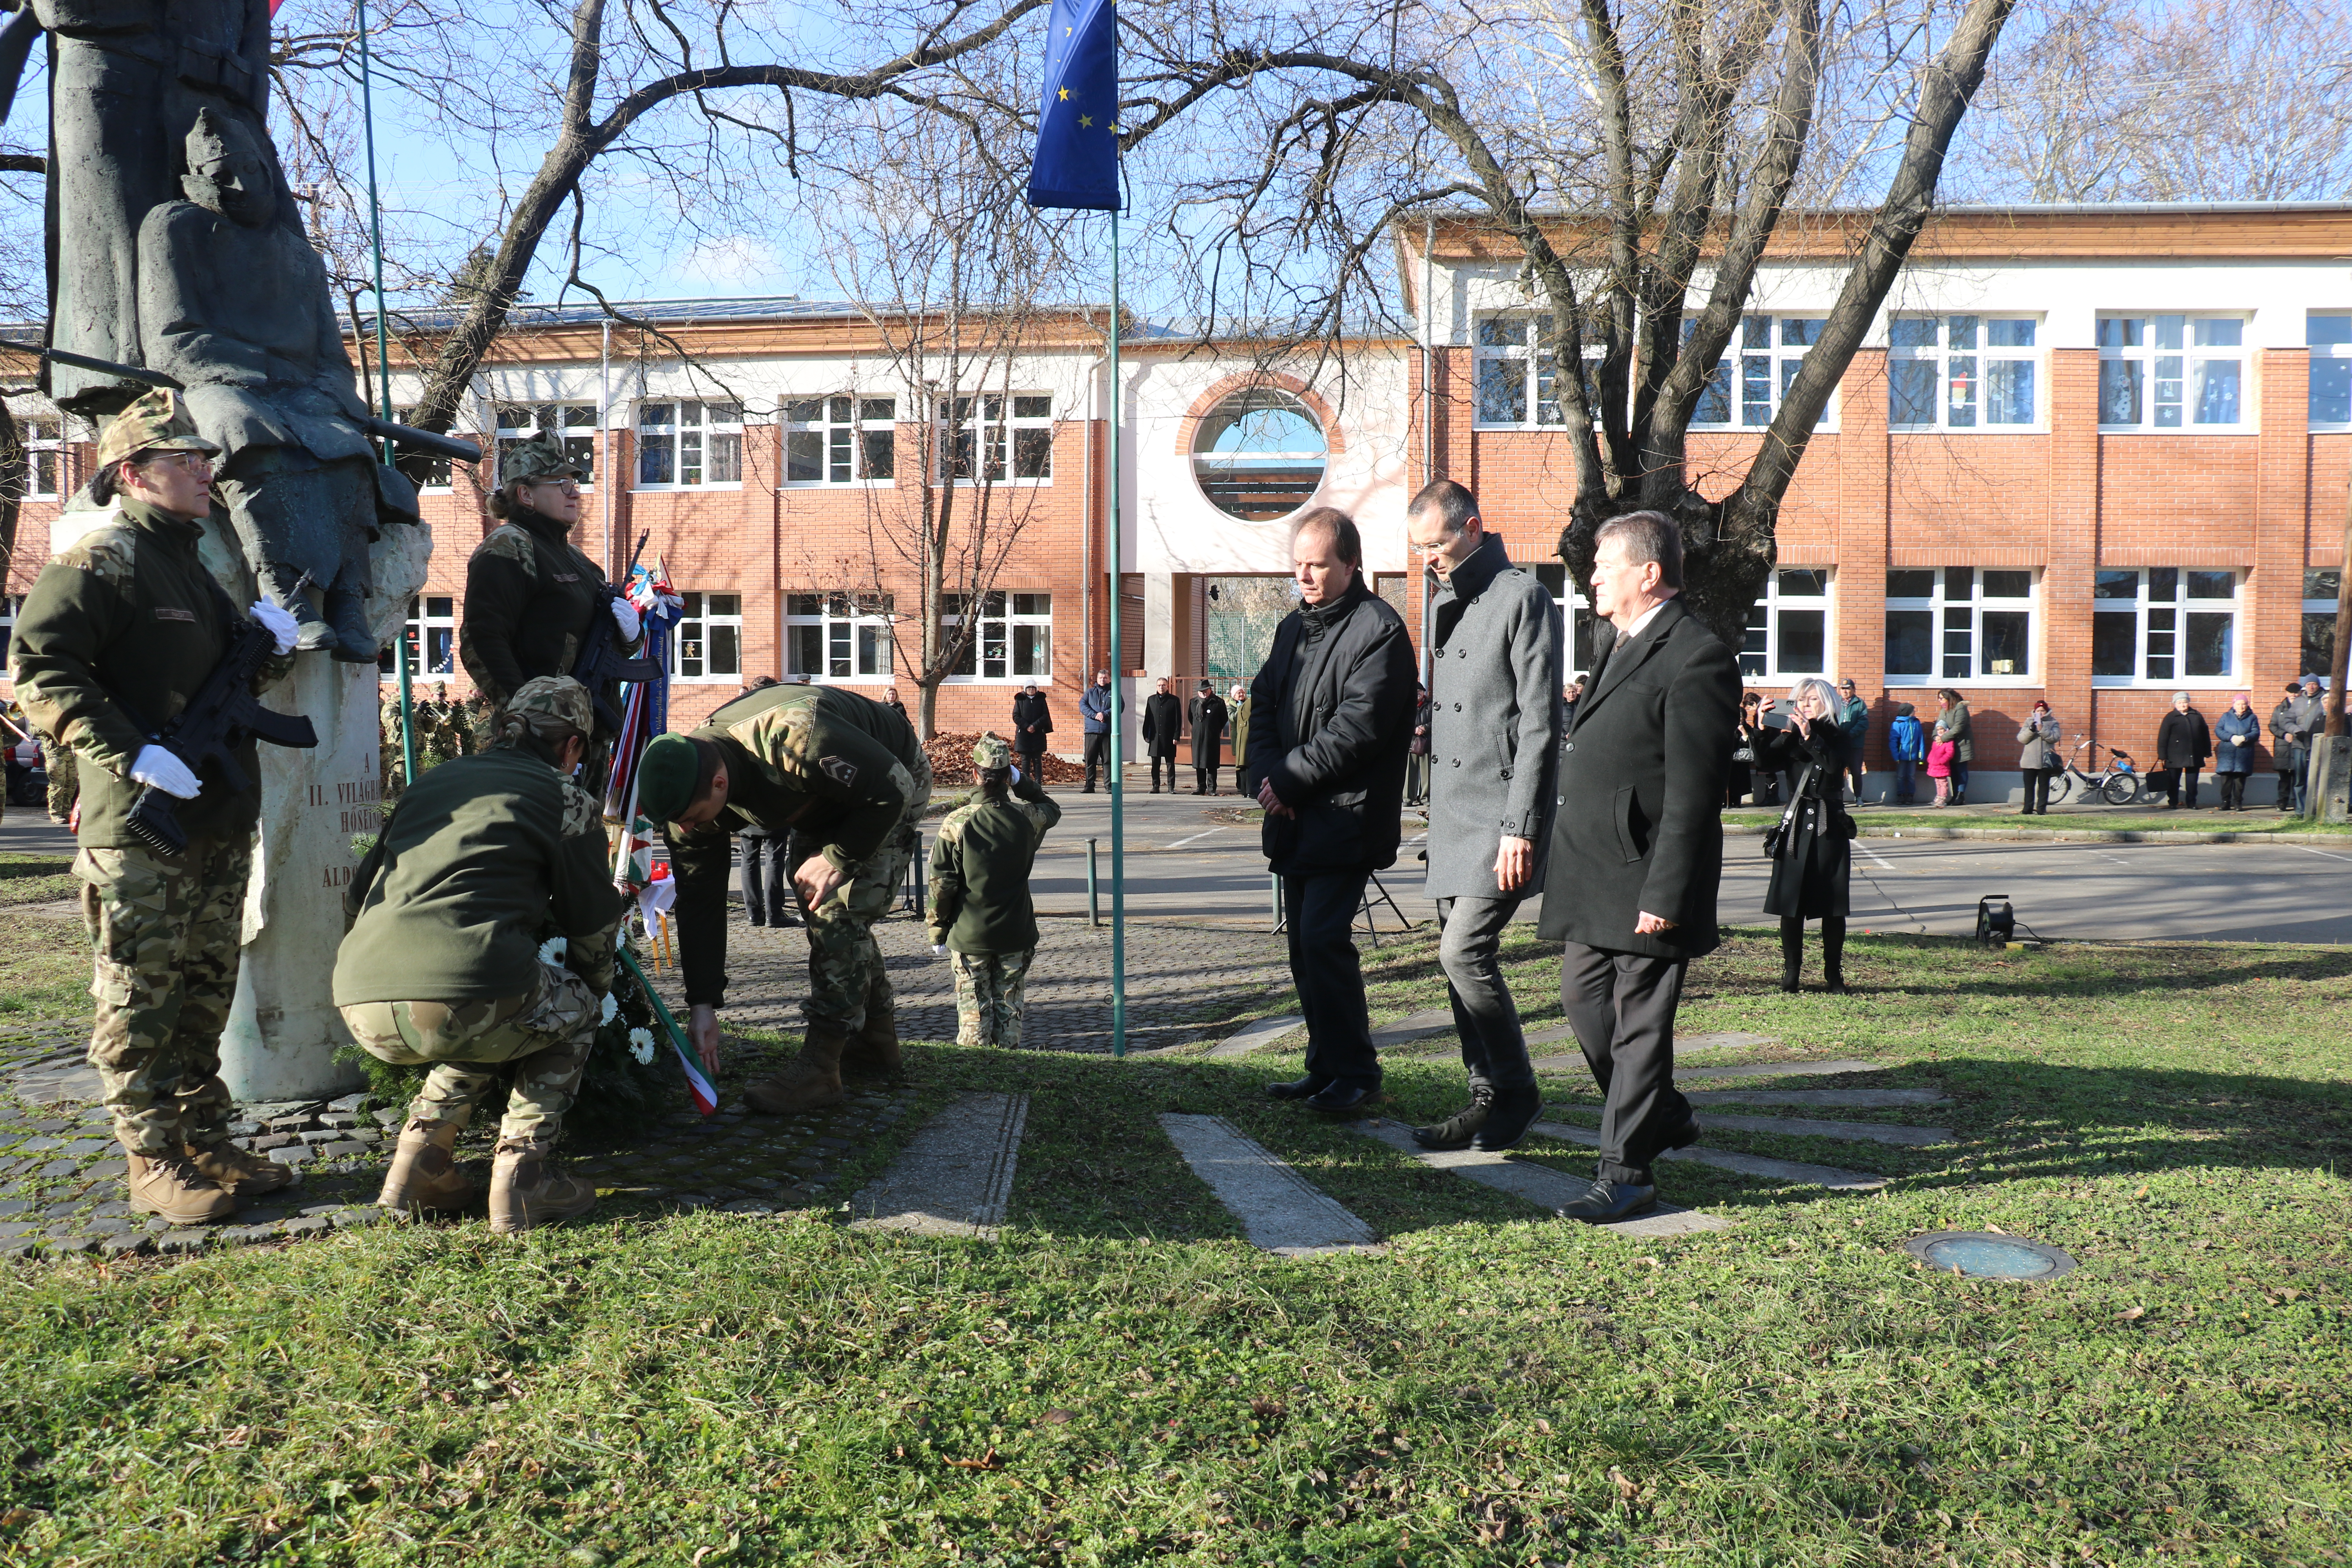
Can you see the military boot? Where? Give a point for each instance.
(346, 611)
(169, 1185)
(424, 1173)
(875, 1050)
(524, 1192)
(812, 1082)
(241, 1173)
(312, 632)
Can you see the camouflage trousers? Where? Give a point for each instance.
(165, 931)
(548, 1031)
(844, 962)
(989, 988)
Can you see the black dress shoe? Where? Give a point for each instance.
(1610, 1202)
(1683, 1137)
(1457, 1131)
(1298, 1088)
(1507, 1120)
(1342, 1094)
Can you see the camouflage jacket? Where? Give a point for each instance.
(119, 632)
(480, 856)
(980, 871)
(531, 598)
(834, 770)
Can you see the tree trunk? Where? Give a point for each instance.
(12, 474)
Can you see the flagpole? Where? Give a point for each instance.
(1118, 717)
(383, 386)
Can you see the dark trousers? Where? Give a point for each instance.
(768, 896)
(2176, 781)
(1959, 781)
(1856, 772)
(1032, 765)
(2233, 791)
(1622, 1006)
(1321, 911)
(1204, 776)
(2037, 791)
(1098, 754)
(1159, 757)
(1906, 780)
(1469, 949)
(1239, 787)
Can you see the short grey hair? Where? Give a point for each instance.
(1647, 536)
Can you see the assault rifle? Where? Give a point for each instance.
(222, 714)
(600, 663)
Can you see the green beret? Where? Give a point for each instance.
(672, 775)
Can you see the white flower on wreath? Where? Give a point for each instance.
(553, 950)
(611, 1010)
(641, 1045)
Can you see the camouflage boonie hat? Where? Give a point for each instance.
(156, 423)
(551, 701)
(990, 752)
(541, 457)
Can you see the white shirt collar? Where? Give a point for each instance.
(1643, 624)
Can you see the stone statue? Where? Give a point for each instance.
(235, 305)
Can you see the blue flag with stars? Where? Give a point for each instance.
(1077, 134)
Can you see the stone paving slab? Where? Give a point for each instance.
(1258, 1036)
(1852, 1132)
(1829, 1176)
(1718, 1040)
(1744, 1069)
(955, 1176)
(1280, 1211)
(1539, 1184)
(1854, 1099)
(1414, 1027)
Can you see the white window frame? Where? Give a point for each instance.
(712, 429)
(2318, 599)
(2333, 356)
(1758, 347)
(1003, 620)
(1760, 650)
(997, 425)
(1956, 628)
(699, 622)
(1575, 611)
(440, 476)
(1522, 347)
(417, 631)
(2150, 630)
(853, 631)
(51, 446)
(574, 425)
(9, 604)
(2159, 368)
(843, 426)
(1965, 367)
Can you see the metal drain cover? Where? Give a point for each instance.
(1983, 1255)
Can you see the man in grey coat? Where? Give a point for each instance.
(1494, 748)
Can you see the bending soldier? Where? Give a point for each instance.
(530, 596)
(981, 919)
(840, 782)
(442, 962)
(119, 631)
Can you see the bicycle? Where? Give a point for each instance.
(2118, 784)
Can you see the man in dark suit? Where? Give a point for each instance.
(1330, 714)
(1163, 726)
(1637, 848)
(1206, 713)
(1033, 721)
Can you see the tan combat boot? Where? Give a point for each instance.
(169, 1185)
(243, 1173)
(875, 1048)
(525, 1192)
(425, 1173)
(811, 1083)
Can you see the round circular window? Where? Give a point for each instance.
(1260, 455)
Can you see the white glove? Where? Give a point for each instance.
(165, 770)
(279, 624)
(625, 616)
(1016, 775)
(939, 949)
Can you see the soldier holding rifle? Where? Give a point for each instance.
(120, 635)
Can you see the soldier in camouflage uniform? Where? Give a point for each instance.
(117, 635)
(841, 782)
(530, 597)
(442, 963)
(65, 783)
(981, 920)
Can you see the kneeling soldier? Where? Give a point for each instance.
(119, 632)
(840, 783)
(442, 962)
(981, 916)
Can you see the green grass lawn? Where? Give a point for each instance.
(1121, 1380)
(44, 962)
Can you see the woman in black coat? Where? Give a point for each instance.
(1810, 870)
(2182, 745)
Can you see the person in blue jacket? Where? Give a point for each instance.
(1906, 738)
(1094, 713)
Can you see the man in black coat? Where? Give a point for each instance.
(1206, 713)
(1033, 721)
(1163, 726)
(1637, 848)
(1330, 715)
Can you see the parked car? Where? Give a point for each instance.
(29, 777)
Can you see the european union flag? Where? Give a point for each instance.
(1077, 134)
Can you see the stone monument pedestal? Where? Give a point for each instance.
(2329, 793)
